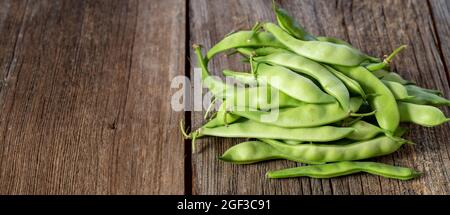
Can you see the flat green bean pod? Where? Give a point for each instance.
(346, 168)
(398, 90)
(395, 77)
(435, 92)
(330, 83)
(260, 98)
(333, 40)
(243, 39)
(263, 51)
(423, 115)
(255, 151)
(291, 26)
(325, 52)
(246, 51)
(292, 84)
(383, 102)
(242, 77)
(252, 129)
(424, 96)
(304, 115)
(313, 153)
(352, 85)
(364, 131)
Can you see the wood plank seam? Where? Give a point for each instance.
(188, 180)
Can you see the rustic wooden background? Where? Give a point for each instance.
(85, 94)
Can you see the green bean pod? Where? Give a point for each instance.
(423, 115)
(395, 77)
(252, 129)
(280, 78)
(243, 39)
(242, 77)
(255, 151)
(263, 51)
(352, 85)
(292, 84)
(330, 83)
(364, 131)
(317, 153)
(435, 92)
(346, 168)
(304, 115)
(325, 52)
(383, 102)
(259, 98)
(289, 24)
(333, 40)
(424, 96)
(398, 90)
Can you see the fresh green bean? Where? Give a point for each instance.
(383, 102)
(398, 90)
(346, 168)
(317, 153)
(304, 115)
(364, 131)
(246, 51)
(330, 83)
(352, 85)
(242, 77)
(325, 153)
(333, 40)
(252, 129)
(255, 151)
(395, 77)
(319, 51)
(291, 83)
(260, 98)
(263, 51)
(424, 96)
(243, 39)
(435, 92)
(291, 26)
(423, 115)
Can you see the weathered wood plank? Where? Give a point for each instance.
(85, 106)
(441, 19)
(376, 27)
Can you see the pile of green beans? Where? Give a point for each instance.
(335, 106)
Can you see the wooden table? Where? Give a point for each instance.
(85, 94)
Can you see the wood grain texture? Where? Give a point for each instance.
(440, 10)
(376, 27)
(85, 94)
(85, 97)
